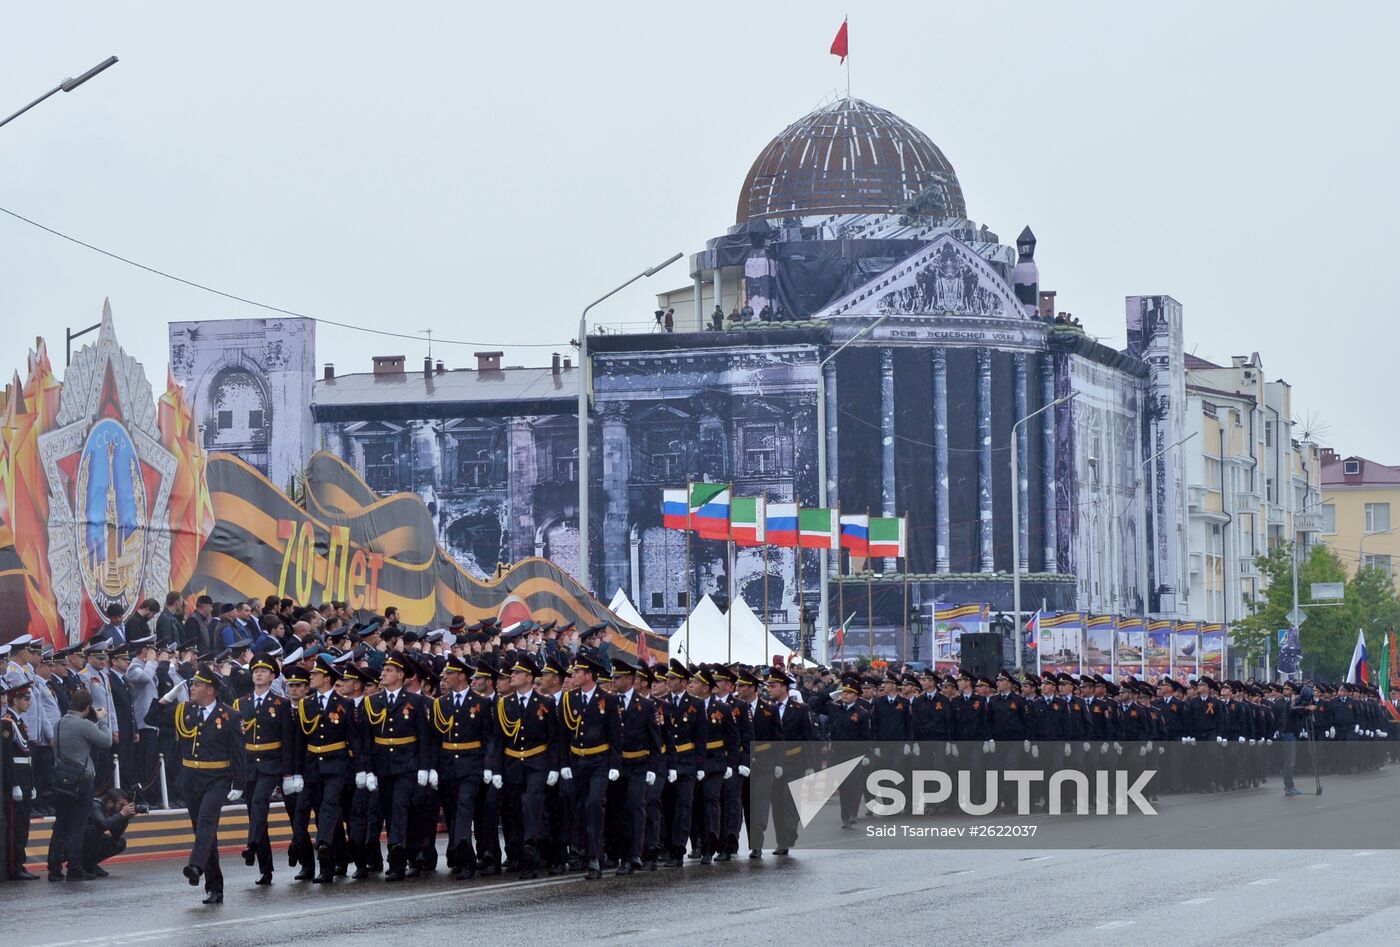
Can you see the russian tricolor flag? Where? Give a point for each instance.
(782, 524)
(855, 534)
(675, 511)
(1357, 671)
(709, 509)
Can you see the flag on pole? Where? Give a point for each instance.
(747, 521)
(1357, 671)
(1383, 669)
(818, 529)
(709, 509)
(675, 511)
(887, 538)
(855, 534)
(781, 528)
(839, 44)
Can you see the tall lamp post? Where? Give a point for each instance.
(583, 386)
(822, 612)
(67, 85)
(1016, 523)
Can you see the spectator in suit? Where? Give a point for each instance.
(198, 629)
(125, 723)
(141, 683)
(138, 626)
(112, 632)
(172, 618)
(94, 679)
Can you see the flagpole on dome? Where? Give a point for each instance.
(840, 46)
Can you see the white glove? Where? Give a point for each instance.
(552, 778)
(1221, 740)
(948, 749)
(1025, 746)
(877, 752)
(614, 774)
(1149, 746)
(234, 795)
(288, 784)
(16, 794)
(991, 746)
(1356, 728)
(422, 777)
(1251, 742)
(1067, 749)
(728, 772)
(1268, 742)
(432, 778)
(33, 794)
(1117, 747)
(777, 772)
(1035, 752)
(699, 775)
(1303, 735)
(1186, 740)
(1103, 747)
(298, 784)
(744, 771)
(567, 772)
(496, 781)
(1142, 751)
(1240, 740)
(1086, 746)
(360, 780)
(1331, 733)
(486, 776)
(955, 749)
(372, 782)
(651, 777)
(807, 772)
(916, 749)
(906, 749)
(670, 776)
(1384, 734)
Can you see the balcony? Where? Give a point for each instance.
(1249, 569)
(1310, 522)
(1277, 516)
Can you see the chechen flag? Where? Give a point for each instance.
(781, 527)
(747, 521)
(675, 511)
(887, 539)
(818, 529)
(838, 45)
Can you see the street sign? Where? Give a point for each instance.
(1297, 616)
(1328, 591)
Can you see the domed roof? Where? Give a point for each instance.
(850, 157)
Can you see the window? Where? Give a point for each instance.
(760, 449)
(1351, 467)
(1268, 433)
(680, 600)
(255, 419)
(1378, 562)
(225, 420)
(382, 464)
(1269, 489)
(658, 601)
(1377, 517)
(666, 453)
(1329, 517)
(566, 468)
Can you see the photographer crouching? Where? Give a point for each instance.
(107, 821)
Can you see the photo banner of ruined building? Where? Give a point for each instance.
(108, 497)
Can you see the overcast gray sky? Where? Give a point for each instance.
(485, 170)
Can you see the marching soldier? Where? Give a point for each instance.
(717, 735)
(685, 739)
(486, 820)
(798, 758)
(215, 770)
(531, 739)
(592, 733)
(850, 723)
(468, 743)
(639, 745)
(663, 763)
(737, 760)
(334, 752)
(399, 752)
(298, 682)
(269, 744)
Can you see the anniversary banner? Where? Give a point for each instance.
(107, 496)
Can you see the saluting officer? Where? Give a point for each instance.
(214, 769)
(269, 744)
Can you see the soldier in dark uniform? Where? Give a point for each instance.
(531, 740)
(559, 802)
(639, 745)
(400, 753)
(849, 723)
(591, 729)
(269, 743)
(892, 722)
(468, 743)
(334, 752)
(210, 736)
(298, 682)
(685, 741)
(797, 733)
(661, 764)
(731, 809)
(486, 820)
(1203, 727)
(16, 760)
(364, 820)
(715, 738)
(970, 721)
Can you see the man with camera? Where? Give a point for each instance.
(1295, 721)
(108, 817)
(81, 734)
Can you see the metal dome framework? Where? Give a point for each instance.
(850, 157)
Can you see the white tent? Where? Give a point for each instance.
(622, 607)
(702, 636)
(752, 644)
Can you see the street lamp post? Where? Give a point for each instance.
(1361, 544)
(583, 385)
(67, 85)
(822, 611)
(1016, 521)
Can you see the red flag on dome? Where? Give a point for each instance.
(838, 45)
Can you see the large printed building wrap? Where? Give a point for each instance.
(107, 496)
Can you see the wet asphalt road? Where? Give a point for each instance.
(818, 897)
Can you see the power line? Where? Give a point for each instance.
(270, 308)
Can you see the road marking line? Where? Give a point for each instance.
(1361, 854)
(156, 934)
(1262, 881)
(1197, 901)
(1321, 865)
(1038, 858)
(1113, 924)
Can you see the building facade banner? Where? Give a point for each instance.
(1159, 646)
(1061, 645)
(1098, 644)
(1130, 646)
(107, 497)
(950, 624)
